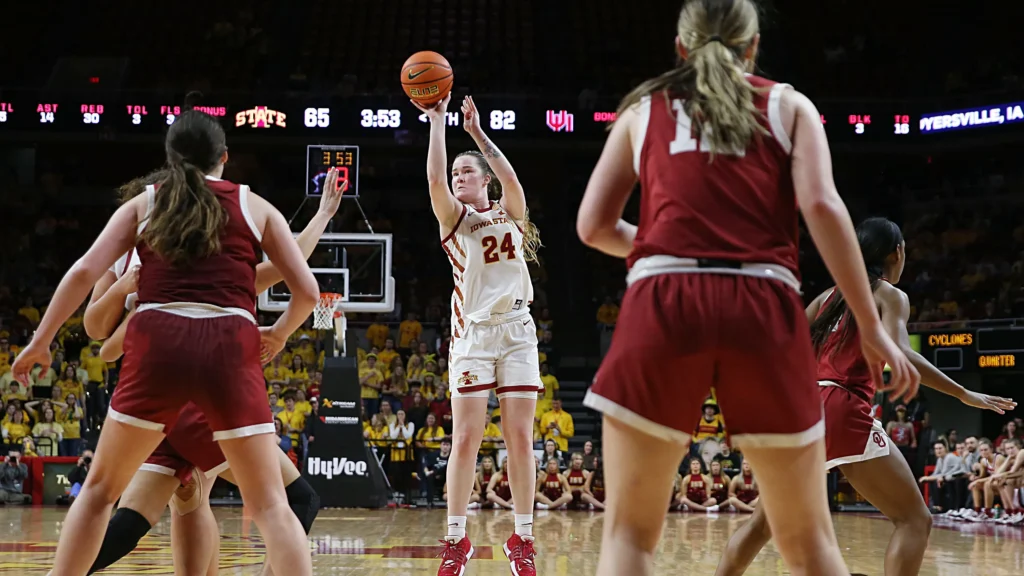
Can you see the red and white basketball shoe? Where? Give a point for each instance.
(520, 553)
(454, 557)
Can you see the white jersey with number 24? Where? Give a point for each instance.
(492, 282)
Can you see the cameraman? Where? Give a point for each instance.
(12, 479)
(77, 476)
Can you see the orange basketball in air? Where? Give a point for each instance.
(427, 77)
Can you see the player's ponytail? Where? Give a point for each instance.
(878, 239)
(187, 218)
(718, 98)
(531, 234)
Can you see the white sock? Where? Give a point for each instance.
(457, 527)
(713, 508)
(524, 524)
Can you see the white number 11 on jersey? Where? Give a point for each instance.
(685, 142)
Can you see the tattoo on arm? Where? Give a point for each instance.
(489, 149)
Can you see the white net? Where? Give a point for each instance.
(326, 310)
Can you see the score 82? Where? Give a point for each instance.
(901, 124)
(503, 120)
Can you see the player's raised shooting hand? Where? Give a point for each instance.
(435, 112)
(470, 117)
(330, 200)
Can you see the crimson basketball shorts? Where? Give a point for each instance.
(170, 360)
(189, 444)
(501, 357)
(680, 334)
(851, 434)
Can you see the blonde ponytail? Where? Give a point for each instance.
(531, 238)
(722, 104)
(719, 100)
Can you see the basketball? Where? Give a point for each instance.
(427, 77)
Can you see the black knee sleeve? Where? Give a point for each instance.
(124, 531)
(304, 501)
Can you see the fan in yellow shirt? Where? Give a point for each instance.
(370, 379)
(549, 381)
(13, 390)
(16, 429)
(293, 420)
(298, 371)
(306, 351)
(301, 404)
(492, 437)
(557, 425)
(387, 355)
(378, 433)
(94, 365)
(30, 312)
(277, 371)
(410, 329)
(70, 384)
(378, 333)
(6, 354)
(429, 437)
(71, 417)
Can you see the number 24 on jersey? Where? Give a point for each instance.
(492, 250)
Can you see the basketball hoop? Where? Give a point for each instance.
(328, 308)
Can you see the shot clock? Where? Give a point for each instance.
(321, 158)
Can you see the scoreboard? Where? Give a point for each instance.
(535, 116)
(320, 159)
(976, 349)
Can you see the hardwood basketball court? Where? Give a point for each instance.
(404, 542)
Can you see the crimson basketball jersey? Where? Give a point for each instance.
(226, 279)
(740, 207)
(843, 362)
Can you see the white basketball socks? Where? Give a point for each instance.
(456, 527)
(524, 525)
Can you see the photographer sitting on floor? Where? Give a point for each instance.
(12, 480)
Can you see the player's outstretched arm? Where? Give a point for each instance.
(830, 226)
(599, 223)
(279, 244)
(113, 347)
(266, 273)
(895, 309)
(446, 208)
(117, 238)
(513, 199)
(105, 307)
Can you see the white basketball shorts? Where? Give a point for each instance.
(500, 357)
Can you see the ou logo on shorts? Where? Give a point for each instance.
(878, 439)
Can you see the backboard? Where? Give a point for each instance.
(355, 265)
